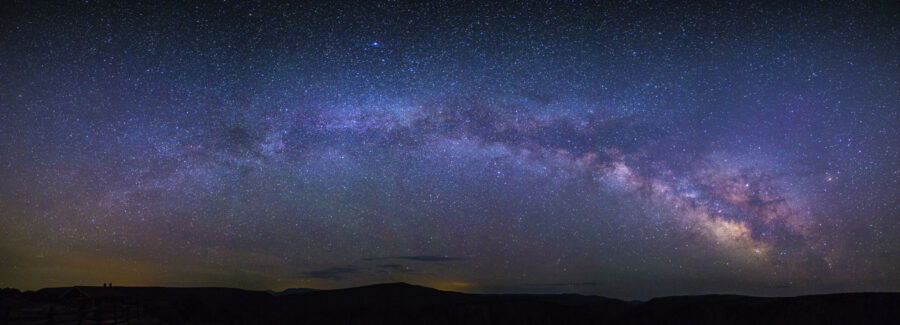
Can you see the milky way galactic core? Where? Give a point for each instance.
(623, 149)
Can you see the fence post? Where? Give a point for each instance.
(115, 313)
(80, 314)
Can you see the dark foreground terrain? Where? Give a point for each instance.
(400, 303)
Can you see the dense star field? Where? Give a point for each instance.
(622, 149)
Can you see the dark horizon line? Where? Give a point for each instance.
(474, 293)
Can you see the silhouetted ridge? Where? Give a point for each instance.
(391, 286)
(290, 291)
(394, 289)
(403, 303)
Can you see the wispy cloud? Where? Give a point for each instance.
(331, 273)
(418, 258)
(576, 284)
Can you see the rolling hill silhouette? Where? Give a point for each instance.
(401, 303)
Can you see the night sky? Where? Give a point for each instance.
(629, 150)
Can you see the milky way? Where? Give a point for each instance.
(629, 150)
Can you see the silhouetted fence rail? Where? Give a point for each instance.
(106, 315)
